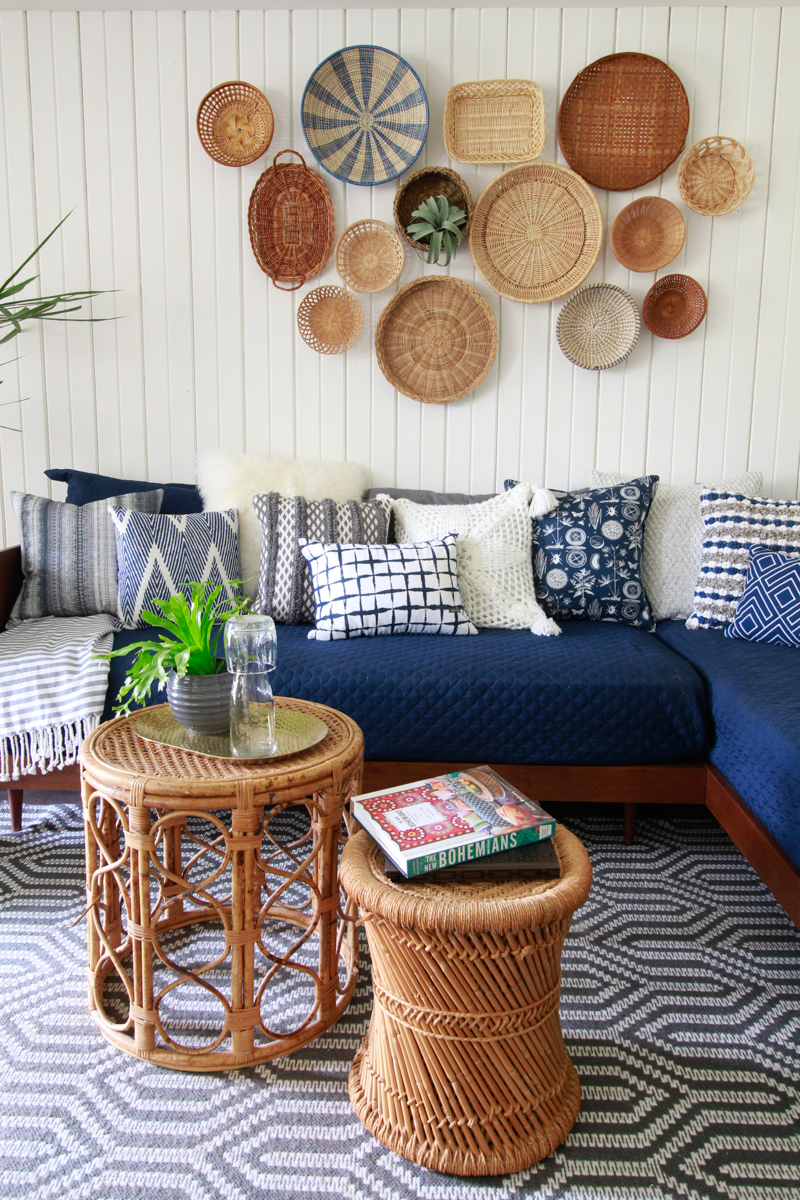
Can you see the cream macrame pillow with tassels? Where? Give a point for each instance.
(495, 573)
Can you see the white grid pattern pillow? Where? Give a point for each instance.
(361, 591)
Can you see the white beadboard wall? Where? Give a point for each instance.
(98, 118)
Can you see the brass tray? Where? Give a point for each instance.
(296, 731)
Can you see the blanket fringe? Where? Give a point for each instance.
(43, 750)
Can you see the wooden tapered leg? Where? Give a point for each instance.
(15, 804)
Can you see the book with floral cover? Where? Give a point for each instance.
(455, 818)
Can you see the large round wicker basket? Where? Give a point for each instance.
(715, 176)
(291, 222)
(235, 123)
(330, 320)
(418, 186)
(647, 234)
(674, 306)
(436, 339)
(598, 327)
(369, 256)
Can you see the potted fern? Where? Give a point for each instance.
(439, 223)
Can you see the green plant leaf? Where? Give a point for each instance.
(436, 247)
(444, 207)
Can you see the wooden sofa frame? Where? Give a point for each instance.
(690, 783)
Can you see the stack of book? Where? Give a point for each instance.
(465, 825)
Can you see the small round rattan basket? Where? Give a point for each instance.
(674, 306)
(715, 176)
(235, 123)
(647, 234)
(418, 186)
(330, 320)
(369, 256)
(598, 327)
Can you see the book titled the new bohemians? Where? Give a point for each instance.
(450, 819)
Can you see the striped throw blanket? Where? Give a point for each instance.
(52, 691)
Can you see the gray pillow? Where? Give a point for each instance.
(69, 554)
(425, 497)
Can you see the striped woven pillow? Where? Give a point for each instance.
(732, 524)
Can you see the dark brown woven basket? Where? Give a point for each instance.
(674, 306)
(291, 222)
(623, 120)
(430, 181)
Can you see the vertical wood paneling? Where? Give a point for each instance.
(97, 115)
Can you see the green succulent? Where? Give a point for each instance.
(438, 220)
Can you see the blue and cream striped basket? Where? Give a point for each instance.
(365, 115)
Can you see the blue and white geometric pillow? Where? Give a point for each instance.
(406, 587)
(769, 608)
(587, 555)
(158, 555)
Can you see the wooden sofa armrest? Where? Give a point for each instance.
(10, 581)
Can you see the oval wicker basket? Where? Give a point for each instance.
(330, 320)
(235, 123)
(674, 306)
(623, 120)
(494, 121)
(290, 219)
(647, 234)
(536, 232)
(598, 327)
(425, 182)
(436, 339)
(369, 256)
(715, 176)
(365, 115)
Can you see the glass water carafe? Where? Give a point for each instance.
(251, 653)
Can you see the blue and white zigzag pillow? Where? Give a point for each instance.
(769, 608)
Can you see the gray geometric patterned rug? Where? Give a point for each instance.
(680, 1007)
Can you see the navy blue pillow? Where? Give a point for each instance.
(769, 607)
(83, 487)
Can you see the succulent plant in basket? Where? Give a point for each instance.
(438, 222)
(184, 659)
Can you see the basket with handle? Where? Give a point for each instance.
(290, 218)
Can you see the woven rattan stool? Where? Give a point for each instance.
(464, 1069)
(177, 840)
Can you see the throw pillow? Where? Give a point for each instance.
(673, 538)
(284, 582)
(587, 555)
(231, 480)
(769, 608)
(361, 591)
(494, 555)
(69, 556)
(732, 523)
(84, 486)
(157, 556)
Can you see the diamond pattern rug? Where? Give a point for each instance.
(680, 1007)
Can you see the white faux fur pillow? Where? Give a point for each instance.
(231, 480)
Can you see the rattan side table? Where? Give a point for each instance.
(464, 1069)
(190, 903)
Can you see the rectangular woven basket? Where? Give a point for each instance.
(494, 121)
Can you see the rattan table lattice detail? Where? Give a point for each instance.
(464, 1069)
(494, 121)
(176, 841)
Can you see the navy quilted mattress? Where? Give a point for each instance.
(600, 694)
(754, 696)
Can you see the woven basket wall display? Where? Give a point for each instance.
(715, 176)
(365, 114)
(674, 306)
(235, 123)
(290, 219)
(623, 120)
(330, 320)
(598, 327)
(436, 339)
(369, 256)
(647, 234)
(536, 232)
(425, 182)
(498, 121)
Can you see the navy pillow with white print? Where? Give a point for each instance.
(587, 555)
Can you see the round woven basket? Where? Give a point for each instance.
(647, 234)
(598, 327)
(235, 123)
(290, 219)
(536, 232)
(365, 115)
(430, 181)
(674, 306)
(436, 339)
(330, 320)
(369, 256)
(715, 176)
